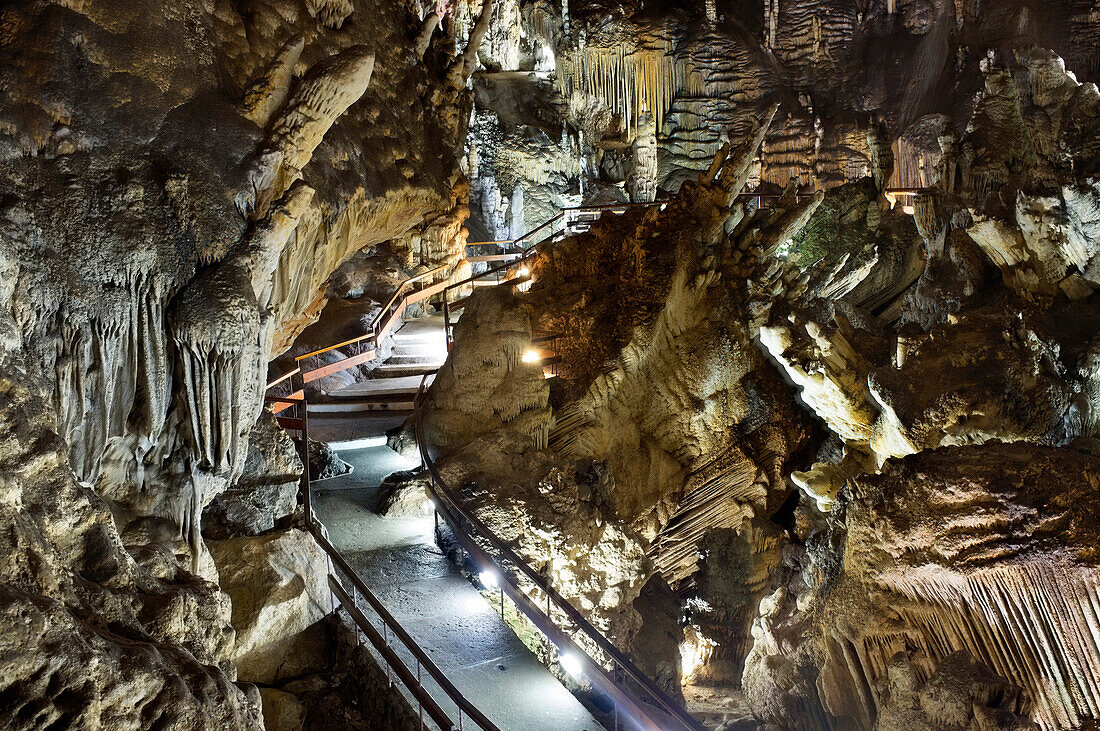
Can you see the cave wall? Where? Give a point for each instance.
(179, 181)
(833, 423)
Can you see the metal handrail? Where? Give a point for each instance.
(523, 254)
(379, 316)
(422, 658)
(448, 501)
(362, 624)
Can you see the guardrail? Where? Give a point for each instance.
(295, 380)
(654, 711)
(381, 324)
(380, 641)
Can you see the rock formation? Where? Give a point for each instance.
(854, 433)
(823, 434)
(178, 184)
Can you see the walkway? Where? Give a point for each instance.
(399, 560)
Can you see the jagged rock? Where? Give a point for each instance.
(985, 549)
(85, 623)
(282, 711)
(324, 462)
(405, 496)
(960, 694)
(267, 493)
(487, 383)
(278, 585)
(648, 324)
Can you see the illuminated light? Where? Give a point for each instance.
(907, 210)
(489, 579)
(428, 506)
(570, 663)
(532, 356)
(523, 271)
(695, 651)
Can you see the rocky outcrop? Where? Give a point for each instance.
(74, 598)
(267, 493)
(647, 322)
(278, 585)
(178, 183)
(932, 568)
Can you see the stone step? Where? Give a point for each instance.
(382, 387)
(413, 360)
(431, 353)
(391, 370)
(344, 406)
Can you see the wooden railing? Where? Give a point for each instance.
(645, 705)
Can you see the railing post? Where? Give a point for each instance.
(421, 684)
(446, 322)
(386, 641)
(355, 601)
(307, 498)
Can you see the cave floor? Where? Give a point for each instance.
(399, 560)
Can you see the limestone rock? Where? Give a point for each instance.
(278, 585)
(282, 711)
(405, 496)
(266, 494)
(324, 462)
(961, 693)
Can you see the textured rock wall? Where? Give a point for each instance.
(178, 184)
(703, 74)
(855, 433)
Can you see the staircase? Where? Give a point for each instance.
(419, 349)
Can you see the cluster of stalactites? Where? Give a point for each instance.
(1034, 623)
(633, 82)
(121, 364)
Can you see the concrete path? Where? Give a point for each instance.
(400, 562)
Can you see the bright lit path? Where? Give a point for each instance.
(399, 560)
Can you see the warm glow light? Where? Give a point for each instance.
(488, 579)
(907, 210)
(570, 663)
(532, 356)
(523, 271)
(695, 651)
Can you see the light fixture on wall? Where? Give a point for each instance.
(489, 579)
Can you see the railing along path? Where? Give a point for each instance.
(645, 705)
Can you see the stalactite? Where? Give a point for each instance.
(268, 93)
(631, 81)
(1037, 624)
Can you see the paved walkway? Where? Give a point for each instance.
(399, 560)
